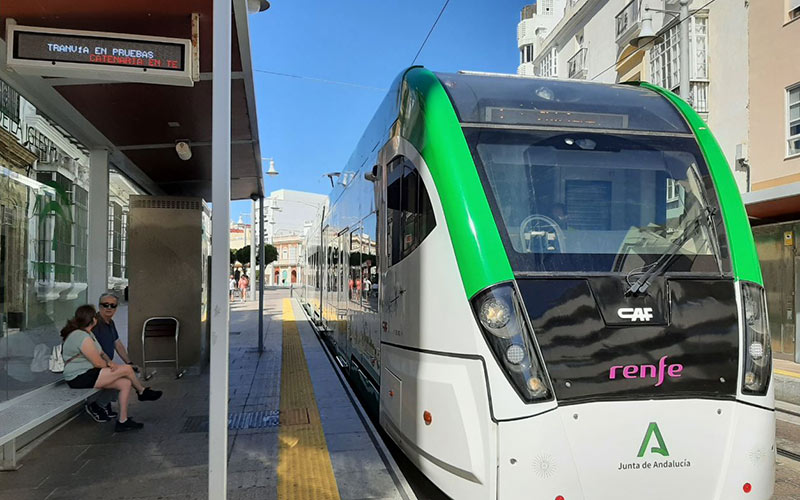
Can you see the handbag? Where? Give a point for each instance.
(56, 360)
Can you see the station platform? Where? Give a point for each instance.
(787, 381)
(295, 431)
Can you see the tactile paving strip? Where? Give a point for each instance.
(304, 466)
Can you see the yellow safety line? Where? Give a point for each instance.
(304, 465)
(788, 374)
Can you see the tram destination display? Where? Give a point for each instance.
(100, 55)
(96, 50)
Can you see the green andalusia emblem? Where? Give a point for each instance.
(661, 449)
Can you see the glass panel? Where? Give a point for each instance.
(794, 95)
(394, 211)
(41, 280)
(568, 103)
(794, 146)
(794, 112)
(597, 202)
(369, 262)
(120, 189)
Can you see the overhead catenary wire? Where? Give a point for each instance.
(433, 26)
(644, 46)
(320, 80)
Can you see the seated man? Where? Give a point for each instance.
(106, 334)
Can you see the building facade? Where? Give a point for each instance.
(288, 215)
(241, 234)
(774, 158)
(591, 40)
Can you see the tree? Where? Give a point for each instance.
(270, 254)
(243, 254)
(233, 256)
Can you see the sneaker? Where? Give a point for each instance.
(110, 412)
(149, 394)
(97, 412)
(128, 425)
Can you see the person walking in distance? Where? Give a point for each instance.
(85, 366)
(108, 338)
(244, 283)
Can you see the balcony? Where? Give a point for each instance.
(628, 19)
(576, 66)
(698, 95)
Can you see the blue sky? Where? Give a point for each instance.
(311, 127)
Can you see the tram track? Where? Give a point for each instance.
(789, 454)
(786, 453)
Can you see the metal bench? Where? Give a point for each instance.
(28, 416)
(160, 327)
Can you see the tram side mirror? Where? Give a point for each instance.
(372, 175)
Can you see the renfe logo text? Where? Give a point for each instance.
(648, 371)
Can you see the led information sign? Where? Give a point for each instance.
(98, 55)
(96, 50)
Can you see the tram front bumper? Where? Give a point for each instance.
(676, 449)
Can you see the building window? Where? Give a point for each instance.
(548, 65)
(793, 8)
(526, 52)
(665, 61)
(793, 115)
(409, 211)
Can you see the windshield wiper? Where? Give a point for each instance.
(704, 218)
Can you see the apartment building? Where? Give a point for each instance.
(595, 40)
(774, 158)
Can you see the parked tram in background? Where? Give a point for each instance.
(549, 290)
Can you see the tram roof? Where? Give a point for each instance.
(139, 123)
(512, 100)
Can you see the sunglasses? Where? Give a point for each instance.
(108, 305)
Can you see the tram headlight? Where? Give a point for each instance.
(758, 351)
(502, 320)
(494, 313)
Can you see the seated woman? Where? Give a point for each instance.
(86, 366)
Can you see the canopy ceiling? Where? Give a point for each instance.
(139, 123)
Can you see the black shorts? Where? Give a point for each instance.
(85, 380)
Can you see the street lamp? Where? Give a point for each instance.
(272, 173)
(647, 35)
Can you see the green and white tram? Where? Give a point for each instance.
(549, 290)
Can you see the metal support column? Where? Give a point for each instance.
(261, 269)
(220, 250)
(98, 224)
(251, 291)
(684, 45)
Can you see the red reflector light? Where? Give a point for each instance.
(427, 417)
(560, 497)
(747, 487)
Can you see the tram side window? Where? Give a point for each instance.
(409, 211)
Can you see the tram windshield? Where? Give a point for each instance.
(600, 202)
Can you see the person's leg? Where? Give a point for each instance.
(105, 397)
(123, 385)
(107, 377)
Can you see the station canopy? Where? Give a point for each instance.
(140, 123)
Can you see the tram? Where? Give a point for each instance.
(549, 290)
